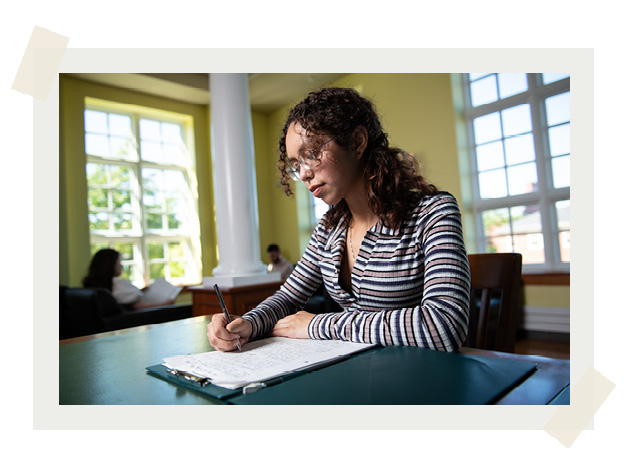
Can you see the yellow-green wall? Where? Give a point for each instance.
(417, 111)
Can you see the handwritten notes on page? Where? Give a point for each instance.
(262, 360)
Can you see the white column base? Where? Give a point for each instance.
(233, 281)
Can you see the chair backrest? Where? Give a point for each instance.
(497, 277)
(86, 310)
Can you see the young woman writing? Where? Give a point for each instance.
(389, 250)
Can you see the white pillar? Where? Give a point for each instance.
(234, 181)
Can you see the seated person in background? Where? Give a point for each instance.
(104, 272)
(278, 263)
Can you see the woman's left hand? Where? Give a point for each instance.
(293, 326)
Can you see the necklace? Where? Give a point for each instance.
(350, 240)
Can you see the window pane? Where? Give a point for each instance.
(95, 247)
(126, 250)
(499, 244)
(564, 239)
(154, 221)
(475, 76)
(527, 233)
(174, 221)
(171, 133)
(173, 180)
(177, 269)
(557, 109)
(173, 204)
(176, 251)
(98, 221)
(121, 199)
(97, 198)
(151, 200)
(320, 208)
(484, 91)
(128, 272)
(522, 179)
(150, 129)
(560, 171)
(531, 248)
(552, 77)
(152, 179)
(96, 145)
(559, 140)
(511, 84)
(487, 128)
(520, 149)
(490, 156)
(173, 154)
(562, 214)
(96, 174)
(119, 125)
(492, 184)
(516, 120)
(95, 122)
(496, 222)
(120, 176)
(526, 219)
(121, 147)
(122, 221)
(151, 151)
(156, 250)
(156, 271)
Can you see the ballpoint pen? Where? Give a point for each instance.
(224, 309)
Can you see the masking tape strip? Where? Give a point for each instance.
(569, 421)
(38, 82)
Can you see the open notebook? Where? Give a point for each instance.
(261, 360)
(160, 291)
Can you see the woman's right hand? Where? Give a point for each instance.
(225, 337)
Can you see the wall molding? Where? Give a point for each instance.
(545, 319)
(552, 278)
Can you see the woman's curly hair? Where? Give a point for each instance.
(391, 175)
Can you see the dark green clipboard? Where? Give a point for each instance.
(398, 375)
(213, 391)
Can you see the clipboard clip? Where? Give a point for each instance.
(256, 386)
(202, 381)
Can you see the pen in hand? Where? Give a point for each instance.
(224, 309)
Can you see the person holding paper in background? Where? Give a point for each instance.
(104, 272)
(389, 251)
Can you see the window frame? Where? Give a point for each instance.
(546, 195)
(140, 237)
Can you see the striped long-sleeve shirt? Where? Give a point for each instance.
(410, 285)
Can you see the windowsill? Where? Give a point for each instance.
(546, 278)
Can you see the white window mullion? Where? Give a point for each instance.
(142, 210)
(543, 174)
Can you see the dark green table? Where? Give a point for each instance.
(109, 368)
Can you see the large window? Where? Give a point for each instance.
(519, 134)
(141, 183)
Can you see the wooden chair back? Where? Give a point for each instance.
(500, 273)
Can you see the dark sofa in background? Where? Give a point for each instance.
(87, 311)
